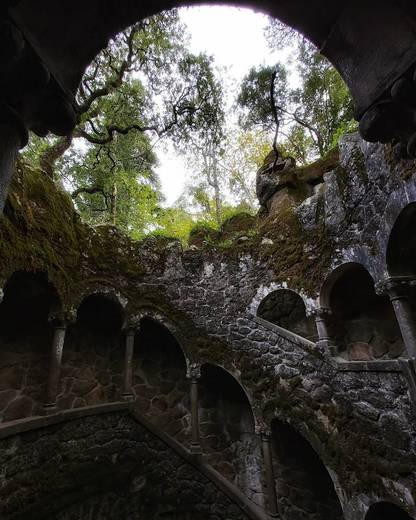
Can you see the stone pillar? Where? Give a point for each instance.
(398, 291)
(269, 474)
(128, 364)
(60, 323)
(321, 319)
(13, 136)
(194, 374)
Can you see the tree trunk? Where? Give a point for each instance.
(53, 153)
(113, 208)
(218, 208)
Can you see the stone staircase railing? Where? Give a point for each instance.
(11, 432)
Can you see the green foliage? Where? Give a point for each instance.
(312, 116)
(254, 96)
(143, 87)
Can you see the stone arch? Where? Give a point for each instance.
(25, 342)
(362, 323)
(93, 354)
(286, 308)
(401, 247)
(304, 487)
(228, 430)
(97, 287)
(386, 511)
(160, 383)
(153, 312)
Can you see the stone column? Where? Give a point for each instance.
(128, 364)
(194, 374)
(13, 136)
(60, 323)
(269, 474)
(321, 319)
(398, 290)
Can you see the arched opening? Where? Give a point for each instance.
(286, 309)
(386, 511)
(304, 488)
(93, 354)
(25, 337)
(401, 248)
(227, 430)
(362, 324)
(159, 379)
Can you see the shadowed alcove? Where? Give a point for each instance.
(286, 309)
(362, 323)
(305, 490)
(93, 354)
(25, 336)
(386, 511)
(228, 430)
(401, 248)
(159, 379)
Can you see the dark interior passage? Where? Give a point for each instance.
(304, 488)
(401, 249)
(386, 511)
(286, 309)
(363, 324)
(25, 343)
(227, 430)
(93, 354)
(159, 379)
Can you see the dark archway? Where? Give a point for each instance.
(159, 379)
(386, 511)
(305, 490)
(362, 323)
(401, 248)
(286, 309)
(25, 339)
(228, 430)
(93, 354)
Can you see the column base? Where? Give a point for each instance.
(196, 448)
(50, 408)
(127, 397)
(328, 346)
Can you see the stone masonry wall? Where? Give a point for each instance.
(358, 418)
(100, 467)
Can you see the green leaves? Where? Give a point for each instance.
(312, 115)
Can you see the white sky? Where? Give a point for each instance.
(236, 40)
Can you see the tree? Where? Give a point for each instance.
(144, 87)
(244, 154)
(254, 98)
(320, 106)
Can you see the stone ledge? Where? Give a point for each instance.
(280, 331)
(368, 366)
(35, 423)
(234, 494)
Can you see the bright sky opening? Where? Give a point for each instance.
(235, 37)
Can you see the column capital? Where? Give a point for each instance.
(395, 286)
(61, 318)
(264, 433)
(193, 371)
(321, 312)
(130, 330)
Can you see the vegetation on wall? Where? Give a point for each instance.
(146, 88)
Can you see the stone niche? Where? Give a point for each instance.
(304, 488)
(363, 325)
(286, 309)
(228, 431)
(159, 380)
(93, 355)
(25, 341)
